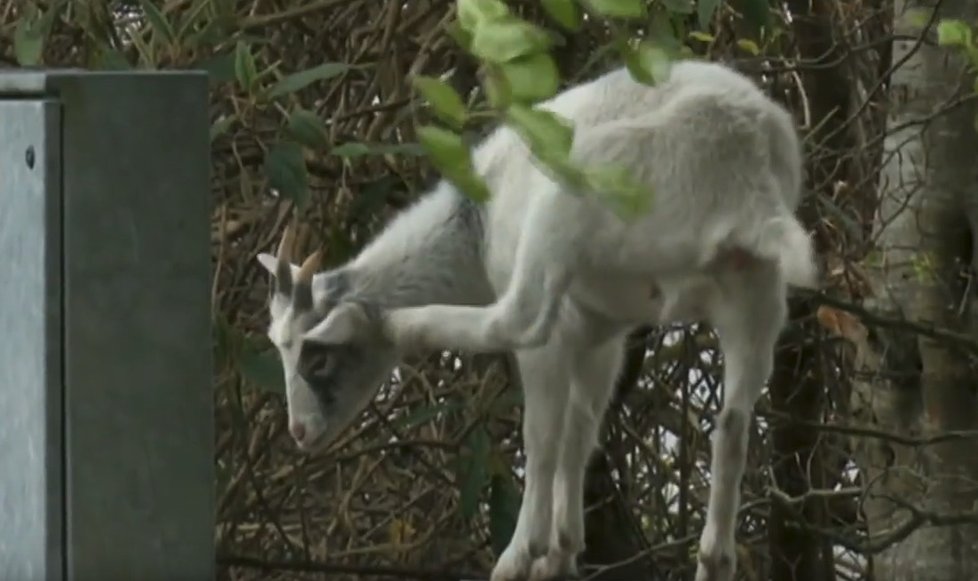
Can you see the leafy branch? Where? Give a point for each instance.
(956, 33)
(519, 73)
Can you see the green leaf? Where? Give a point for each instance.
(445, 147)
(532, 78)
(679, 6)
(505, 39)
(953, 33)
(157, 20)
(923, 264)
(749, 46)
(473, 469)
(917, 17)
(300, 80)
(31, 32)
(353, 149)
(452, 158)
(220, 126)
(648, 63)
(244, 66)
(497, 88)
(219, 67)
(222, 335)
(110, 59)
(626, 9)
(192, 17)
(29, 40)
(756, 12)
(474, 13)
(702, 36)
(615, 184)
(307, 128)
(212, 33)
(504, 509)
(662, 33)
(223, 472)
(705, 10)
(972, 52)
(444, 100)
(549, 135)
(564, 12)
(262, 369)
(461, 36)
(471, 185)
(412, 149)
(286, 171)
(365, 208)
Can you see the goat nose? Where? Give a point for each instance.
(298, 431)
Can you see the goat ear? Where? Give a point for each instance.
(345, 323)
(270, 263)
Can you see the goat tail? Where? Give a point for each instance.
(784, 240)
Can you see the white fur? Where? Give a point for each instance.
(720, 243)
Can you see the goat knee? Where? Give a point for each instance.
(731, 434)
(510, 333)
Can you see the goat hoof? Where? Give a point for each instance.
(513, 565)
(556, 565)
(716, 566)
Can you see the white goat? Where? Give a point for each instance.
(561, 280)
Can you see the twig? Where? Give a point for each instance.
(925, 328)
(946, 436)
(292, 13)
(341, 569)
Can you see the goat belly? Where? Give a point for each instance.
(687, 299)
(624, 299)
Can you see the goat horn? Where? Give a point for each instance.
(285, 246)
(283, 270)
(309, 267)
(302, 292)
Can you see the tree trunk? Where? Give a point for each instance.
(797, 552)
(929, 192)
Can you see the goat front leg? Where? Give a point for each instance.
(544, 377)
(593, 374)
(748, 321)
(522, 318)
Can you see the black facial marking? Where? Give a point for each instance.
(302, 296)
(320, 367)
(338, 285)
(283, 278)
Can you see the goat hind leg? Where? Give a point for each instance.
(748, 322)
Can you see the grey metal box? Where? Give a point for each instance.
(106, 406)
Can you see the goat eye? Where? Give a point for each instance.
(314, 360)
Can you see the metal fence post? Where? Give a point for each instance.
(106, 432)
